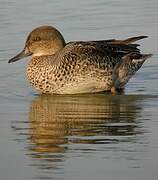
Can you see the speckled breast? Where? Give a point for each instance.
(66, 78)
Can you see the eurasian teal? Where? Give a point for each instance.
(57, 67)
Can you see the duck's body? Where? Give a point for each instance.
(79, 67)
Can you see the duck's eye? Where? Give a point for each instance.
(37, 38)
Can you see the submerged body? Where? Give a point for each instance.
(78, 67)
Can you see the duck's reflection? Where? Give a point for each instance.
(57, 121)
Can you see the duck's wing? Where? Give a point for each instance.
(119, 46)
(103, 54)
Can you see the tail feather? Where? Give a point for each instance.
(136, 56)
(146, 56)
(141, 57)
(133, 39)
(129, 40)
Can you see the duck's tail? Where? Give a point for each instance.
(127, 67)
(136, 58)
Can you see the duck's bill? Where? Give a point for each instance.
(19, 56)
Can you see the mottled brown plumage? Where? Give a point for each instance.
(78, 67)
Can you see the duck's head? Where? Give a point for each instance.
(44, 40)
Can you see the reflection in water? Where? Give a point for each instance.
(56, 122)
(63, 126)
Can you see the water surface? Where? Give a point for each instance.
(91, 136)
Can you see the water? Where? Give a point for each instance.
(97, 136)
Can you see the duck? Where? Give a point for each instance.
(60, 67)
